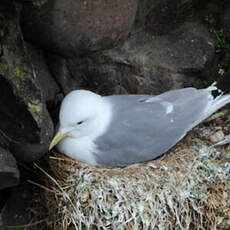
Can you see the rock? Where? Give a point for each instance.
(25, 123)
(143, 9)
(211, 12)
(16, 210)
(1, 224)
(226, 21)
(66, 78)
(4, 195)
(147, 64)
(9, 174)
(71, 27)
(46, 83)
(162, 16)
(168, 15)
(0, 220)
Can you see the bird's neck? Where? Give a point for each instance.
(102, 121)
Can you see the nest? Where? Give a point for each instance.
(187, 188)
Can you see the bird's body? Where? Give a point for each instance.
(120, 130)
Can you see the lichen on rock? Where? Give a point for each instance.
(25, 120)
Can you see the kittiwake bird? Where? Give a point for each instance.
(120, 130)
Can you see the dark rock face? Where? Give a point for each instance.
(72, 27)
(1, 224)
(226, 21)
(9, 174)
(162, 16)
(24, 120)
(16, 210)
(146, 64)
(144, 7)
(168, 15)
(48, 86)
(66, 78)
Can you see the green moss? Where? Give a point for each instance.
(3, 68)
(221, 71)
(18, 73)
(223, 45)
(18, 60)
(35, 109)
(218, 32)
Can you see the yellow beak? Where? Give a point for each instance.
(58, 137)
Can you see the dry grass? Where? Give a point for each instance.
(187, 188)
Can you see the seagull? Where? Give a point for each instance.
(120, 130)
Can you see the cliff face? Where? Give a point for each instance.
(50, 47)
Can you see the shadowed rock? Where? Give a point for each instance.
(67, 79)
(143, 63)
(16, 210)
(226, 21)
(70, 27)
(9, 174)
(48, 86)
(167, 15)
(162, 16)
(24, 120)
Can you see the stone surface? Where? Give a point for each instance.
(226, 22)
(25, 123)
(66, 78)
(1, 224)
(144, 7)
(212, 14)
(161, 16)
(15, 212)
(168, 15)
(147, 64)
(48, 86)
(9, 174)
(73, 27)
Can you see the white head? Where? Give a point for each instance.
(80, 115)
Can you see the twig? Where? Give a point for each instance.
(27, 225)
(42, 186)
(52, 179)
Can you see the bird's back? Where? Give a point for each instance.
(144, 127)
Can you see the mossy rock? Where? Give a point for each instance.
(24, 120)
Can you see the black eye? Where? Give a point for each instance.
(80, 122)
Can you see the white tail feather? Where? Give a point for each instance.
(218, 103)
(214, 105)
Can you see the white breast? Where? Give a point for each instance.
(82, 149)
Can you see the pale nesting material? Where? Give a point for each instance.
(185, 189)
(217, 137)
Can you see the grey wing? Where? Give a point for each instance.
(144, 127)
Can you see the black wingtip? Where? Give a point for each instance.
(223, 85)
